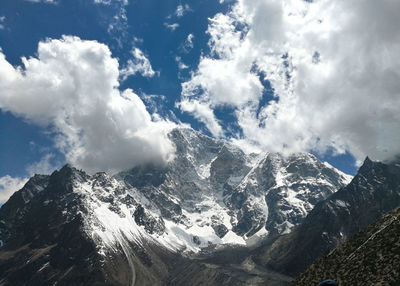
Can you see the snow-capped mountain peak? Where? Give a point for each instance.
(208, 196)
(212, 195)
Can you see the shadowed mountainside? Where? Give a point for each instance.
(372, 257)
(374, 191)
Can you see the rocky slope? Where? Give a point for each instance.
(372, 257)
(374, 191)
(152, 225)
(217, 193)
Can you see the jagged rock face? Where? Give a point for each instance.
(372, 257)
(230, 196)
(126, 228)
(15, 208)
(43, 244)
(66, 234)
(374, 191)
(289, 186)
(92, 230)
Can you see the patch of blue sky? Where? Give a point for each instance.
(121, 27)
(23, 144)
(344, 162)
(144, 27)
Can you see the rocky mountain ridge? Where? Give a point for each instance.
(372, 257)
(127, 228)
(374, 191)
(215, 189)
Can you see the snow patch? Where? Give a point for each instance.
(341, 203)
(346, 178)
(44, 266)
(232, 238)
(204, 169)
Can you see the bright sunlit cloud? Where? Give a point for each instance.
(72, 87)
(333, 67)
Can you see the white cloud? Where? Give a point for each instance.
(104, 2)
(345, 98)
(9, 185)
(188, 44)
(181, 64)
(181, 10)
(108, 2)
(138, 64)
(118, 24)
(203, 113)
(44, 167)
(72, 87)
(189, 41)
(43, 1)
(224, 82)
(2, 20)
(171, 27)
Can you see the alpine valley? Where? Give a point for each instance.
(213, 215)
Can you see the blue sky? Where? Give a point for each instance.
(102, 74)
(27, 23)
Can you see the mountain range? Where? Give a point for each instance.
(374, 191)
(213, 215)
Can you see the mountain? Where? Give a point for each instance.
(372, 257)
(374, 191)
(160, 224)
(215, 189)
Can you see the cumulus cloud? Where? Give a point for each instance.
(72, 87)
(203, 113)
(181, 10)
(181, 64)
(172, 26)
(138, 64)
(9, 185)
(188, 44)
(45, 166)
(104, 2)
(333, 68)
(42, 1)
(2, 20)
